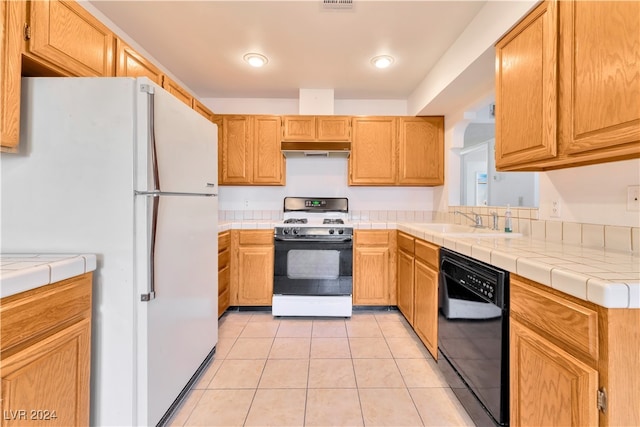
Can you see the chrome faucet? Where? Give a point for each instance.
(494, 216)
(477, 219)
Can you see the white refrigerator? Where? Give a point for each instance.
(120, 168)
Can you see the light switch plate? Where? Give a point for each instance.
(555, 209)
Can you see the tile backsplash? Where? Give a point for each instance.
(524, 220)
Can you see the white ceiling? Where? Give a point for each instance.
(202, 43)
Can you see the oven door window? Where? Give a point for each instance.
(313, 264)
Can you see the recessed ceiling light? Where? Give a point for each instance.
(382, 61)
(255, 59)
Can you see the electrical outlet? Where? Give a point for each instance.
(555, 209)
(246, 204)
(633, 198)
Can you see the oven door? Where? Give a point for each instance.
(313, 267)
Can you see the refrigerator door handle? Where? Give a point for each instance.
(155, 200)
(153, 155)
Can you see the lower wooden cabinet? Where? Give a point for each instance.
(418, 288)
(374, 266)
(549, 386)
(406, 282)
(252, 282)
(425, 319)
(46, 354)
(564, 353)
(224, 271)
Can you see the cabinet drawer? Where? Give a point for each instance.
(224, 240)
(374, 238)
(223, 259)
(427, 253)
(223, 302)
(223, 280)
(42, 311)
(571, 325)
(406, 242)
(262, 237)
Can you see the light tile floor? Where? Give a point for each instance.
(369, 370)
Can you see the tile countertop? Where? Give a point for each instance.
(22, 272)
(605, 277)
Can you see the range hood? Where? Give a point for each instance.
(316, 102)
(316, 149)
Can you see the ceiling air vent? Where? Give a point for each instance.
(337, 4)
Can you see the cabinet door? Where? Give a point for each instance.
(299, 128)
(548, 385)
(176, 90)
(426, 306)
(13, 18)
(526, 88)
(130, 63)
(268, 161)
(373, 151)
(255, 275)
(333, 128)
(406, 285)
(371, 276)
(49, 380)
(64, 34)
(421, 151)
(236, 150)
(600, 70)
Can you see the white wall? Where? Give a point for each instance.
(595, 194)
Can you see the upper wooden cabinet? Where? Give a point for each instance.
(421, 151)
(70, 39)
(316, 128)
(568, 86)
(600, 78)
(11, 41)
(50, 38)
(250, 151)
(176, 90)
(526, 89)
(373, 159)
(407, 151)
(130, 63)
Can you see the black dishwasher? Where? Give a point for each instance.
(473, 332)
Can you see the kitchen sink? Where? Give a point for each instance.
(456, 230)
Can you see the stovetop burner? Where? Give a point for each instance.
(332, 221)
(295, 221)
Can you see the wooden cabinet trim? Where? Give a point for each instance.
(372, 237)
(428, 253)
(406, 242)
(566, 323)
(64, 302)
(256, 237)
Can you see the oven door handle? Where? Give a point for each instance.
(285, 239)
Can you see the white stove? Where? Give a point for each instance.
(313, 259)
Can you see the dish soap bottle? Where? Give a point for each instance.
(507, 220)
